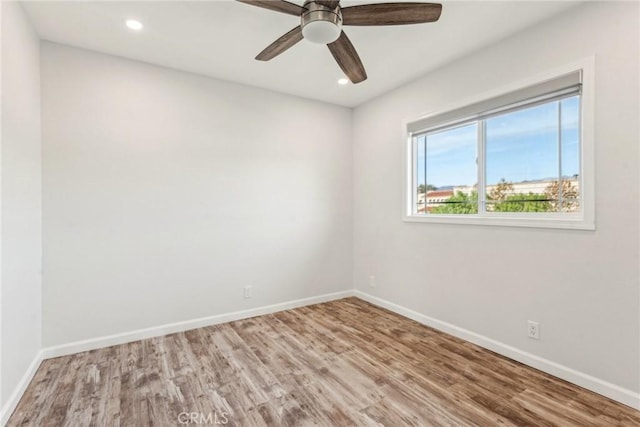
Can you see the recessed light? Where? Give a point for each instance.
(134, 24)
(343, 81)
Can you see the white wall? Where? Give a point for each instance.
(584, 288)
(165, 193)
(21, 237)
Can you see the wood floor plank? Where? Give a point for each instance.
(342, 363)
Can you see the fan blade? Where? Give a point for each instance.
(391, 14)
(329, 3)
(277, 5)
(280, 45)
(347, 58)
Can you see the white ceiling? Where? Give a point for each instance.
(221, 38)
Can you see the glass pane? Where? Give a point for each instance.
(420, 178)
(522, 160)
(451, 171)
(570, 125)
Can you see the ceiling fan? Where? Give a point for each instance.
(322, 21)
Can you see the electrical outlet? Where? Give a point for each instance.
(372, 281)
(247, 292)
(534, 330)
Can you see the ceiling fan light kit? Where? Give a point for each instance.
(321, 22)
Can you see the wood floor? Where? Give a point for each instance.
(343, 363)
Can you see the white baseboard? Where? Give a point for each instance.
(15, 397)
(612, 391)
(156, 331)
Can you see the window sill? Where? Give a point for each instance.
(574, 223)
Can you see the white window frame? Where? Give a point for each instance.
(583, 220)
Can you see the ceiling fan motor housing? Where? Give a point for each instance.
(321, 24)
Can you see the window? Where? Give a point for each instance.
(519, 158)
